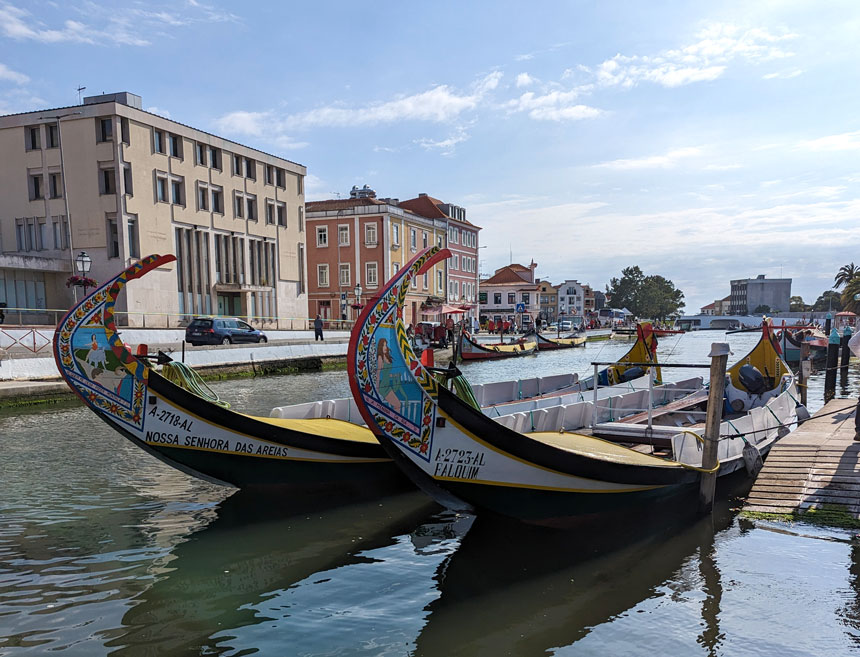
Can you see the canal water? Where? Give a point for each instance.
(106, 551)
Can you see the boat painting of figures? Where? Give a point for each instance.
(202, 437)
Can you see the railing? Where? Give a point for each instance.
(32, 317)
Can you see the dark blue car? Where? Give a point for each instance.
(221, 330)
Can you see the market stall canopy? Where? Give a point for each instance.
(452, 310)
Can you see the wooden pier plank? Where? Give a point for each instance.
(816, 465)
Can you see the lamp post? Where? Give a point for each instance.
(357, 291)
(83, 263)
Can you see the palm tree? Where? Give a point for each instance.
(852, 290)
(846, 274)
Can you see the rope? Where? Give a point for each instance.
(187, 379)
(695, 467)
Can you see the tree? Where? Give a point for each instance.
(852, 290)
(763, 309)
(845, 275)
(829, 300)
(624, 290)
(645, 296)
(796, 305)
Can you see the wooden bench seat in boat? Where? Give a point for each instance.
(606, 450)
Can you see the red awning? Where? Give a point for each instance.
(452, 310)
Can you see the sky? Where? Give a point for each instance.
(700, 141)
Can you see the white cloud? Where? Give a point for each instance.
(444, 146)
(524, 80)
(553, 106)
(107, 25)
(258, 125)
(438, 105)
(783, 75)
(159, 111)
(723, 167)
(847, 141)
(665, 161)
(704, 60)
(7, 73)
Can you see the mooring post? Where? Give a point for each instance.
(708, 484)
(845, 357)
(832, 365)
(805, 371)
(828, 323)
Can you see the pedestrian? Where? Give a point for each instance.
(449, 329)
(318, 324)
(854, 346)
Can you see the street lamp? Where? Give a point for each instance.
(83, 263)
(357, 291)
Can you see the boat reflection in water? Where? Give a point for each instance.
(548, 589)
(254, 551)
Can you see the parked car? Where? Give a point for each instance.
(566, 326)
(221, 330)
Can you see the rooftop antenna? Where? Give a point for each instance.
(79, 90)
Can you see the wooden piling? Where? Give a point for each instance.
(844, 357)
(832, 366)
(707, 486)
(804, 372)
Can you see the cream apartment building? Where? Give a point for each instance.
(120, 183)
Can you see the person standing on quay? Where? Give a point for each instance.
(318, 323)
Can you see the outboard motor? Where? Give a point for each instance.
(752, 379)
(632, 373)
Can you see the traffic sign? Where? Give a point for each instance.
(521, 307)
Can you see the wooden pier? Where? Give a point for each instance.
(815, 467)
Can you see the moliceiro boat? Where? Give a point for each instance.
(469, 461)
(469, 349)
(203, 438)
(548, 344)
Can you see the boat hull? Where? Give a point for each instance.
(471, 350)
(197, 436)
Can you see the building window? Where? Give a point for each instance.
(270, 212)
(282, 214)
(104, 129)
(456, 264)
(127, 180)
(53, 135)
(237, 165)
(37, 190)
(200, 152)
(125, 135)
(512, 297)
(113, 238)
(370, 274)
(343, 235)
(439, 281)
(215, 158)
(370, 234)
(322, 275)
(175, 145)
(158, 141)
(301, 218)
(107, 181)
(300, 185)
(526, 298)
(56, 185)
(322, 235)
(344, 274)
(250, 168)
(133, 244)
(280, 178)
(395, 234)
(161, 188)
(177, 191)
(251, 205)
(34, 141)
(300, 253)
(424, 239)
(426, 280)
(497, 298)
(413, 239)
(395, 267)
(238, 205)
(270, 174)
(218, 200)
(61, 233)
(202, 197)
